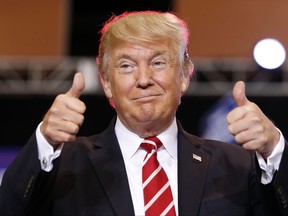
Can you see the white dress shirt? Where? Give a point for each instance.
(134, 156)
(273, 161)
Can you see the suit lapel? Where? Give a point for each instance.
(109, 165)
(192, 173)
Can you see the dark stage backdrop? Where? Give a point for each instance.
(88, 16)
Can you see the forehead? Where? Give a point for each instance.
(141, 49)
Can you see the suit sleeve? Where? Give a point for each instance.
(280, 183)
(22, 181)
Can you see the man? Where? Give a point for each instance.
(144, 69)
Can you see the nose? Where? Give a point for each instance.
(144, 76)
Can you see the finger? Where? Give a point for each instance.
(239, 94)
(75, 115)
(61, 137)
(235, 115)
(237, 123)
(57, 134)
(77, 87)
(65, 105)
(244, 133)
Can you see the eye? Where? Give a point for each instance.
(126, 68)
(159, 64)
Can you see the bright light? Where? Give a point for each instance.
(269, 53)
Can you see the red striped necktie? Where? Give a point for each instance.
(158, 197)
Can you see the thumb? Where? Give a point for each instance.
(239, 94)
(78, 86)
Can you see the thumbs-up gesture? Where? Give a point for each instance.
(250, 126)
(64, 118)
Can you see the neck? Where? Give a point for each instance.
(147, 129)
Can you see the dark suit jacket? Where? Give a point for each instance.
(89, 178)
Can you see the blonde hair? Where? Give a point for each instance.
(145, 26)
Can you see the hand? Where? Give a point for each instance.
(250, 126)
(64, 118)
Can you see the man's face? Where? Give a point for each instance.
(145, 85)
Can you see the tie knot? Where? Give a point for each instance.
(151, 143)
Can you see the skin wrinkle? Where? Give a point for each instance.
(153, 91)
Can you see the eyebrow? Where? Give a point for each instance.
(127, 56)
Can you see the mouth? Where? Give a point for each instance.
(146, 97)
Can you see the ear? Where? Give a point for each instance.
(186, 77)
(185, 84)
(105, 82)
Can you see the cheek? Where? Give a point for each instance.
(174, 84)
(122, 87)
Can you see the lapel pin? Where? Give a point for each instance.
(197, 157)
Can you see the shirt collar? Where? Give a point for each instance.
(129, 142)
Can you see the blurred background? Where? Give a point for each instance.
(43, 43)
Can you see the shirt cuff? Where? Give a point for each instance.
(273, 161)
(46, 153)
